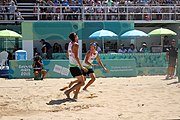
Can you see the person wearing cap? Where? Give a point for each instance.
(75, 65)
(144, 48)
(171, 57)
(88, 63)
(46, 49)
(122, 49)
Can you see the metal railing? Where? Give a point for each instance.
(93, 13)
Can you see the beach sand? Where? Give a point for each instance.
(134, 98)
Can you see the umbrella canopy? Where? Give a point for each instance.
(134, 34)
(103, 34)
(9, 34)
(161, 31)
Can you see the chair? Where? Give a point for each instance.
(3, 58)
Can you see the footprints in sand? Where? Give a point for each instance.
(141, 105)
(74, 107)
(3, 104)
(92, 95)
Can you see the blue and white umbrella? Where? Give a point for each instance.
(134, 34)
(103, 34)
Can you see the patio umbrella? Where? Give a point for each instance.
(9, 34)
(103, 34)
(162, 32)
(134, 34)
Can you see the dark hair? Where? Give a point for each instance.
(72, 36)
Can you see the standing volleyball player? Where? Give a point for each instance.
(75, 65)
(87, 63)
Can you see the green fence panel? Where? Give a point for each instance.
(60, 69)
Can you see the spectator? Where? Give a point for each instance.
(57, 9)
(38, 67)
(132, 49)
(66, 47)
(12, 10)
(166, 43)
(57, 48)
(109, 2)
(36, 9)
(35, 51)
(171, 57)
(46, 49)
(18, 15)
(60, 47)
(5, 10)
(144, 48)
(84, 50)
(50, 5)
(43, 7)
(98, 48)
(122, 49)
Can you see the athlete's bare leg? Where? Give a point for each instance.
(93, 78)
(76, 86)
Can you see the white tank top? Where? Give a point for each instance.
(72, 60)
(90, 60)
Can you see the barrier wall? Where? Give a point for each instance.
(59, 68)
(146, 63)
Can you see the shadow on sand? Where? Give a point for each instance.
(58, 102)
(176, 82)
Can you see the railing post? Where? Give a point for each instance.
(127, 12)
(143, 13)
(175, 11)
(105, 16)
(38, 17)
(82, 12)
(61, 12)
(118, 13)
(151, 12)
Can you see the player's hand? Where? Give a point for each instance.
(85, 69)
(95, 65)
(106, 70)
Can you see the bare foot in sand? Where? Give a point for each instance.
(67, 94)
(64, 88)
(85, 90)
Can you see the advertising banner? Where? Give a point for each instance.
(60, 68)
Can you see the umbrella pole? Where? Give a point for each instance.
(6, 44)
(162, 42)
(103, 44)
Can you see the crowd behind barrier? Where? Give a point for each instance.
(92, 10)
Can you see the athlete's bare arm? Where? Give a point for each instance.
(101, 64)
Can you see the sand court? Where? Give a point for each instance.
(134, 98)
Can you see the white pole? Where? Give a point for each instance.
(80, 49)
(6, 44)
(103, 44)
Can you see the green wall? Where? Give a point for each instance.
(61, 30)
